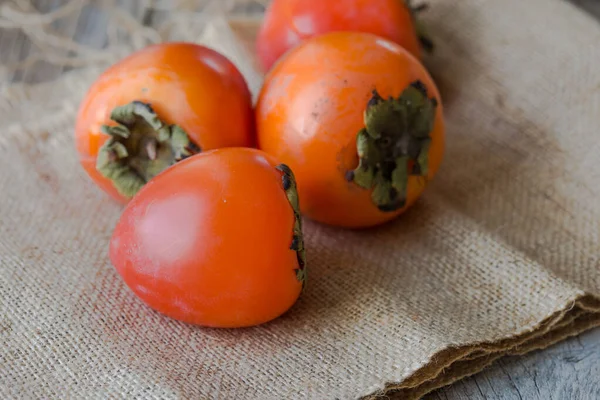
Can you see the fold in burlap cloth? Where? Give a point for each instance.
(500, 256)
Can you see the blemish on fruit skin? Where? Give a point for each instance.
(182, 306)
(262, 160)
(291, 37)
(142, 289)
(215, 63)
(100, 116)
(303, 24)
(386, 44)
(278, 88)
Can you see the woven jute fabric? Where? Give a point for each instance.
(500, 256)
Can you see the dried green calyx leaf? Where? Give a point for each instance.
(394, 144)
(140, 147)
(421, 30)
(297, 244)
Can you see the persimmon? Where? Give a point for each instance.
(359, 120)
(215, 240)
(157, 106)
(289, 22)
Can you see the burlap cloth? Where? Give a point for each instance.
(501, 256)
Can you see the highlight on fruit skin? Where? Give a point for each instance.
(360, 122)
(156, 107)
(215, 240)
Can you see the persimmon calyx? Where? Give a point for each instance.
(289, 185)
(140, 147)
(394, 144)
(422, 33)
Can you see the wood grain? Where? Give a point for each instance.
(566, 371)
(569, 370)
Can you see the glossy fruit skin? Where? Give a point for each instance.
(186, 84)
(289, 22)
(311, 108)
(208, 241)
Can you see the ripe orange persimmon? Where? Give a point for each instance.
(289, 22)
(157, 106)
(215, 240)
(359, 121)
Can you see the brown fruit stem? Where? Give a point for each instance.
(424, 37)
(140, 147)
(394, 144)
(289, 185)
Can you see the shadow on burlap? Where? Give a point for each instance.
(499, 257)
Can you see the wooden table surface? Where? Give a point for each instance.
(568, 370)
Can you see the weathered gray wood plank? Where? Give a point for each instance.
(591, 6)
(569, 370)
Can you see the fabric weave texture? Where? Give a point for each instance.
(500, 256)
